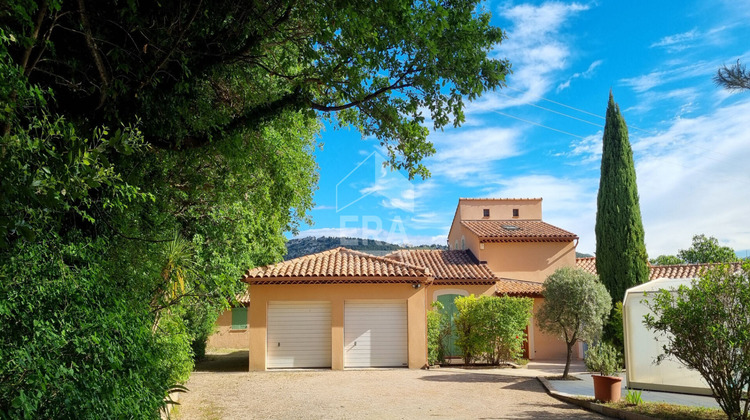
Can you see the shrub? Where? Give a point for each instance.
(603, 358)
(74, 343)
(492, 328)
(613, 330)
(433, 336)
(707, 328)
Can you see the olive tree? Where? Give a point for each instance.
(575, 307)
(707, 328)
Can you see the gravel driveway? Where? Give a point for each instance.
(223, 389)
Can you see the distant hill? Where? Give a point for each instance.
(582, 255)
(310, 245)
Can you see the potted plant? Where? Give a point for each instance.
(603, 358)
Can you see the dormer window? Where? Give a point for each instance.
(486, 212)
(515, 212)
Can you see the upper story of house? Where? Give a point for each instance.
(510, 235)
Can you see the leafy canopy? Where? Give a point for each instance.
(707, 328)
(576, 305)
(707, 250)
(196, 71)
(153, 151)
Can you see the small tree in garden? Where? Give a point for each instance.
(491, 327)
(707, 328)
(576, 306)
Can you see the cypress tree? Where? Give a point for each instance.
(621, 259)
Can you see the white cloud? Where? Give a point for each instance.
(693, 178)
(648, 100)
(536, 48)
(585, 75)
(677, 42)
(466, 152)
(690, 39)
(587, 150)
(568, 203)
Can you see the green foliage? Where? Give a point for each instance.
(707, 328)
(603, 358)
(666, 260)
(434, 336)
(707, 250)
(74, 342)
(491, 327)
(633, 397)
(197, 71)
(621, 259)
(576, 305)
(177, 140)
(613, 330)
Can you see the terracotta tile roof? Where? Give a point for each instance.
(517, 231)
(518, 287)
(447, 266)
(243, 298)
(588, 264)
(681, 271)
(676, 271)
(336, 266)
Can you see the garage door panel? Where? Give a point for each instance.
(299, 334)
(375, 334)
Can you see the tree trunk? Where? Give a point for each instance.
(567, 362)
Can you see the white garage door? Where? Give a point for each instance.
(299, 334)
(375, 334)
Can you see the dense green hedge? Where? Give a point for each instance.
(74, 343)
(491, 328)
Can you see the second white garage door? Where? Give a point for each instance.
(375, 334)
(299, 335)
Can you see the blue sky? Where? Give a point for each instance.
(541, 136)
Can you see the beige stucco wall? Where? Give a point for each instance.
(224, 337)
(471, 241)
(532, 261)
(337, 294)
(528, 209)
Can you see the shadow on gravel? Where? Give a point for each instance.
(230, 362)
(472, 378)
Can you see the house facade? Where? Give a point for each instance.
(510, 237)
(346, 309)
(231, 326)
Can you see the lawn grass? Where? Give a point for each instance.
(671, 411)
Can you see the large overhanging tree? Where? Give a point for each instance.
(153, 151)
(195, 70)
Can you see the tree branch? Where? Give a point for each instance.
(735, 77)
(34, 36)
(175, 44)
(103, 75)
(368, 97)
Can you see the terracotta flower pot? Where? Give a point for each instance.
(607, 388)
